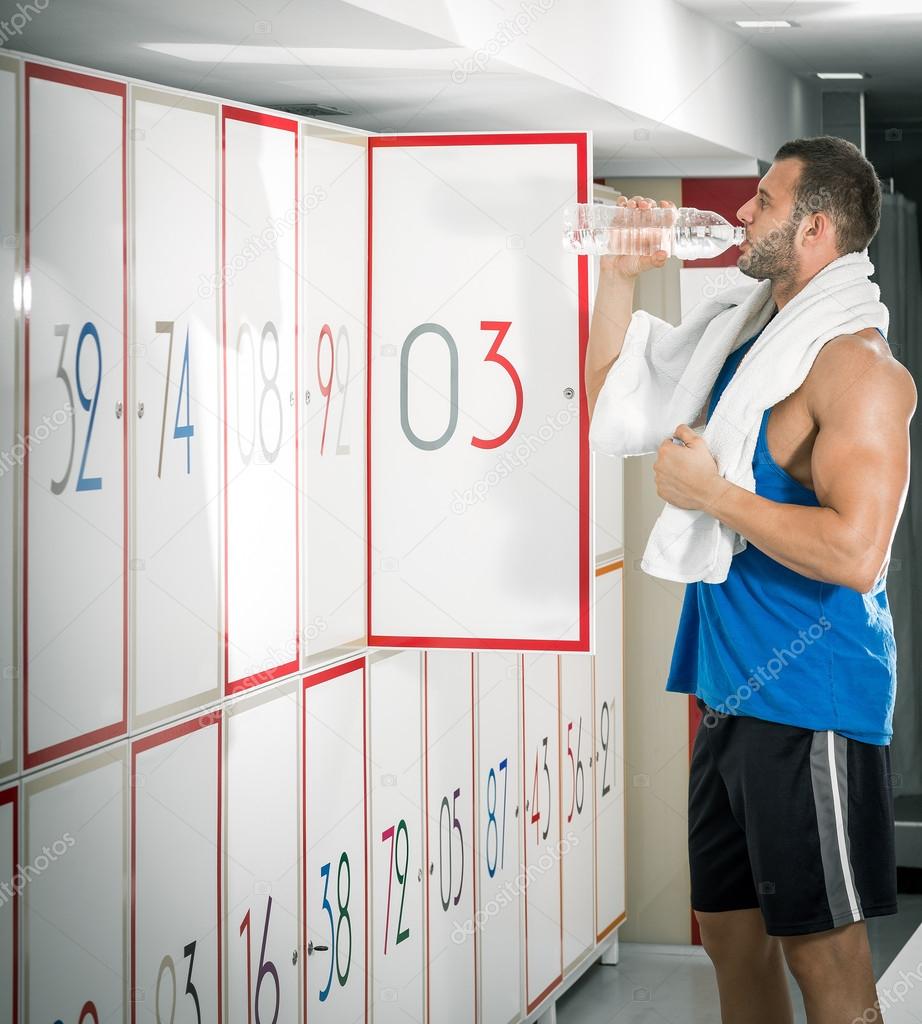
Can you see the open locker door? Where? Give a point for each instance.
(477, 425)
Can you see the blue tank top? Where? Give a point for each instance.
(773, 644)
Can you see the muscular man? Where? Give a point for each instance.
(791, 843)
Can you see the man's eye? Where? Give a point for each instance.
(762, 202)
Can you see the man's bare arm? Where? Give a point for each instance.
(614, 302)
(862, 402)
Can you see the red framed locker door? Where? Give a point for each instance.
(9, 906)
(175, 939)
(541, 826)
(477, 425)
(577, 819)
(397, 850)
(10, 407)
(608, 750)
(262, 840)
(259, 261)
(74, 914)
(335, 844)
(451, 897)
(499, 918)
(75, 557)
(332, 343)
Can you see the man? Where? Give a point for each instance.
(790, 808)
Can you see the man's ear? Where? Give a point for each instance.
(817, 226)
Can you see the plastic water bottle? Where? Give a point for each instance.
(599, 229)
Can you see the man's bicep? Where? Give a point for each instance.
(860, 461)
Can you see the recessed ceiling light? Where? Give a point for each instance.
(765, 24)
(840, 74)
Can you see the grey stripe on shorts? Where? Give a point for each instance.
(829, 774)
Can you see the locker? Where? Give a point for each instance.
(262, 841)
(500, 914)
(448, 691)
(259, 273)
(541, 826)
(9, 905)
(608, 753)
(476, 372)
(176, 873)
(607, 507)
(576, 807)
(333, 361)
(11, 448)
(175, 406)
(397, 852)
(75, 828)
(74, 484)
(335, 845)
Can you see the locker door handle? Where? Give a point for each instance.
(311, 948)
(516, 813)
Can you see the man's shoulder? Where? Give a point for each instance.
(855, 365)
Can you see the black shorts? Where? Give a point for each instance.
(796, 822)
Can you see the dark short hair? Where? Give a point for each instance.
(837, 179)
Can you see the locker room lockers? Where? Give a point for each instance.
(311, 612)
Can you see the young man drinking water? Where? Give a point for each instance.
(790, 827)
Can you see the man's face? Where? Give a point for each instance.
(769, 250)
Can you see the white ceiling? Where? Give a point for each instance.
(882, 38)
(385, 76)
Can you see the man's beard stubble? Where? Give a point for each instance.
(773, 257)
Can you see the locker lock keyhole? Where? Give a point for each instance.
(568, 392)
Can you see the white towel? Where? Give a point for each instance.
(665, 374)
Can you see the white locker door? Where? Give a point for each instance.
(397, 852)
(608, 733)
(75, 557)
(176, 873)
(541, 826)
(259, 272)
(333, 361)
(11, 447)
(262, 840)
(335, 847)
(448, 680)
(608, 506)
(576, 807)
(478, 322)
(9, 905)
(499, 916)
(74, 914)
(175, 408)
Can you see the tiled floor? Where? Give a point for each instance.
(680, 988)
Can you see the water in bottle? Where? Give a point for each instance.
(598, 229)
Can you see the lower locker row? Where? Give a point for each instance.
(410, 835)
